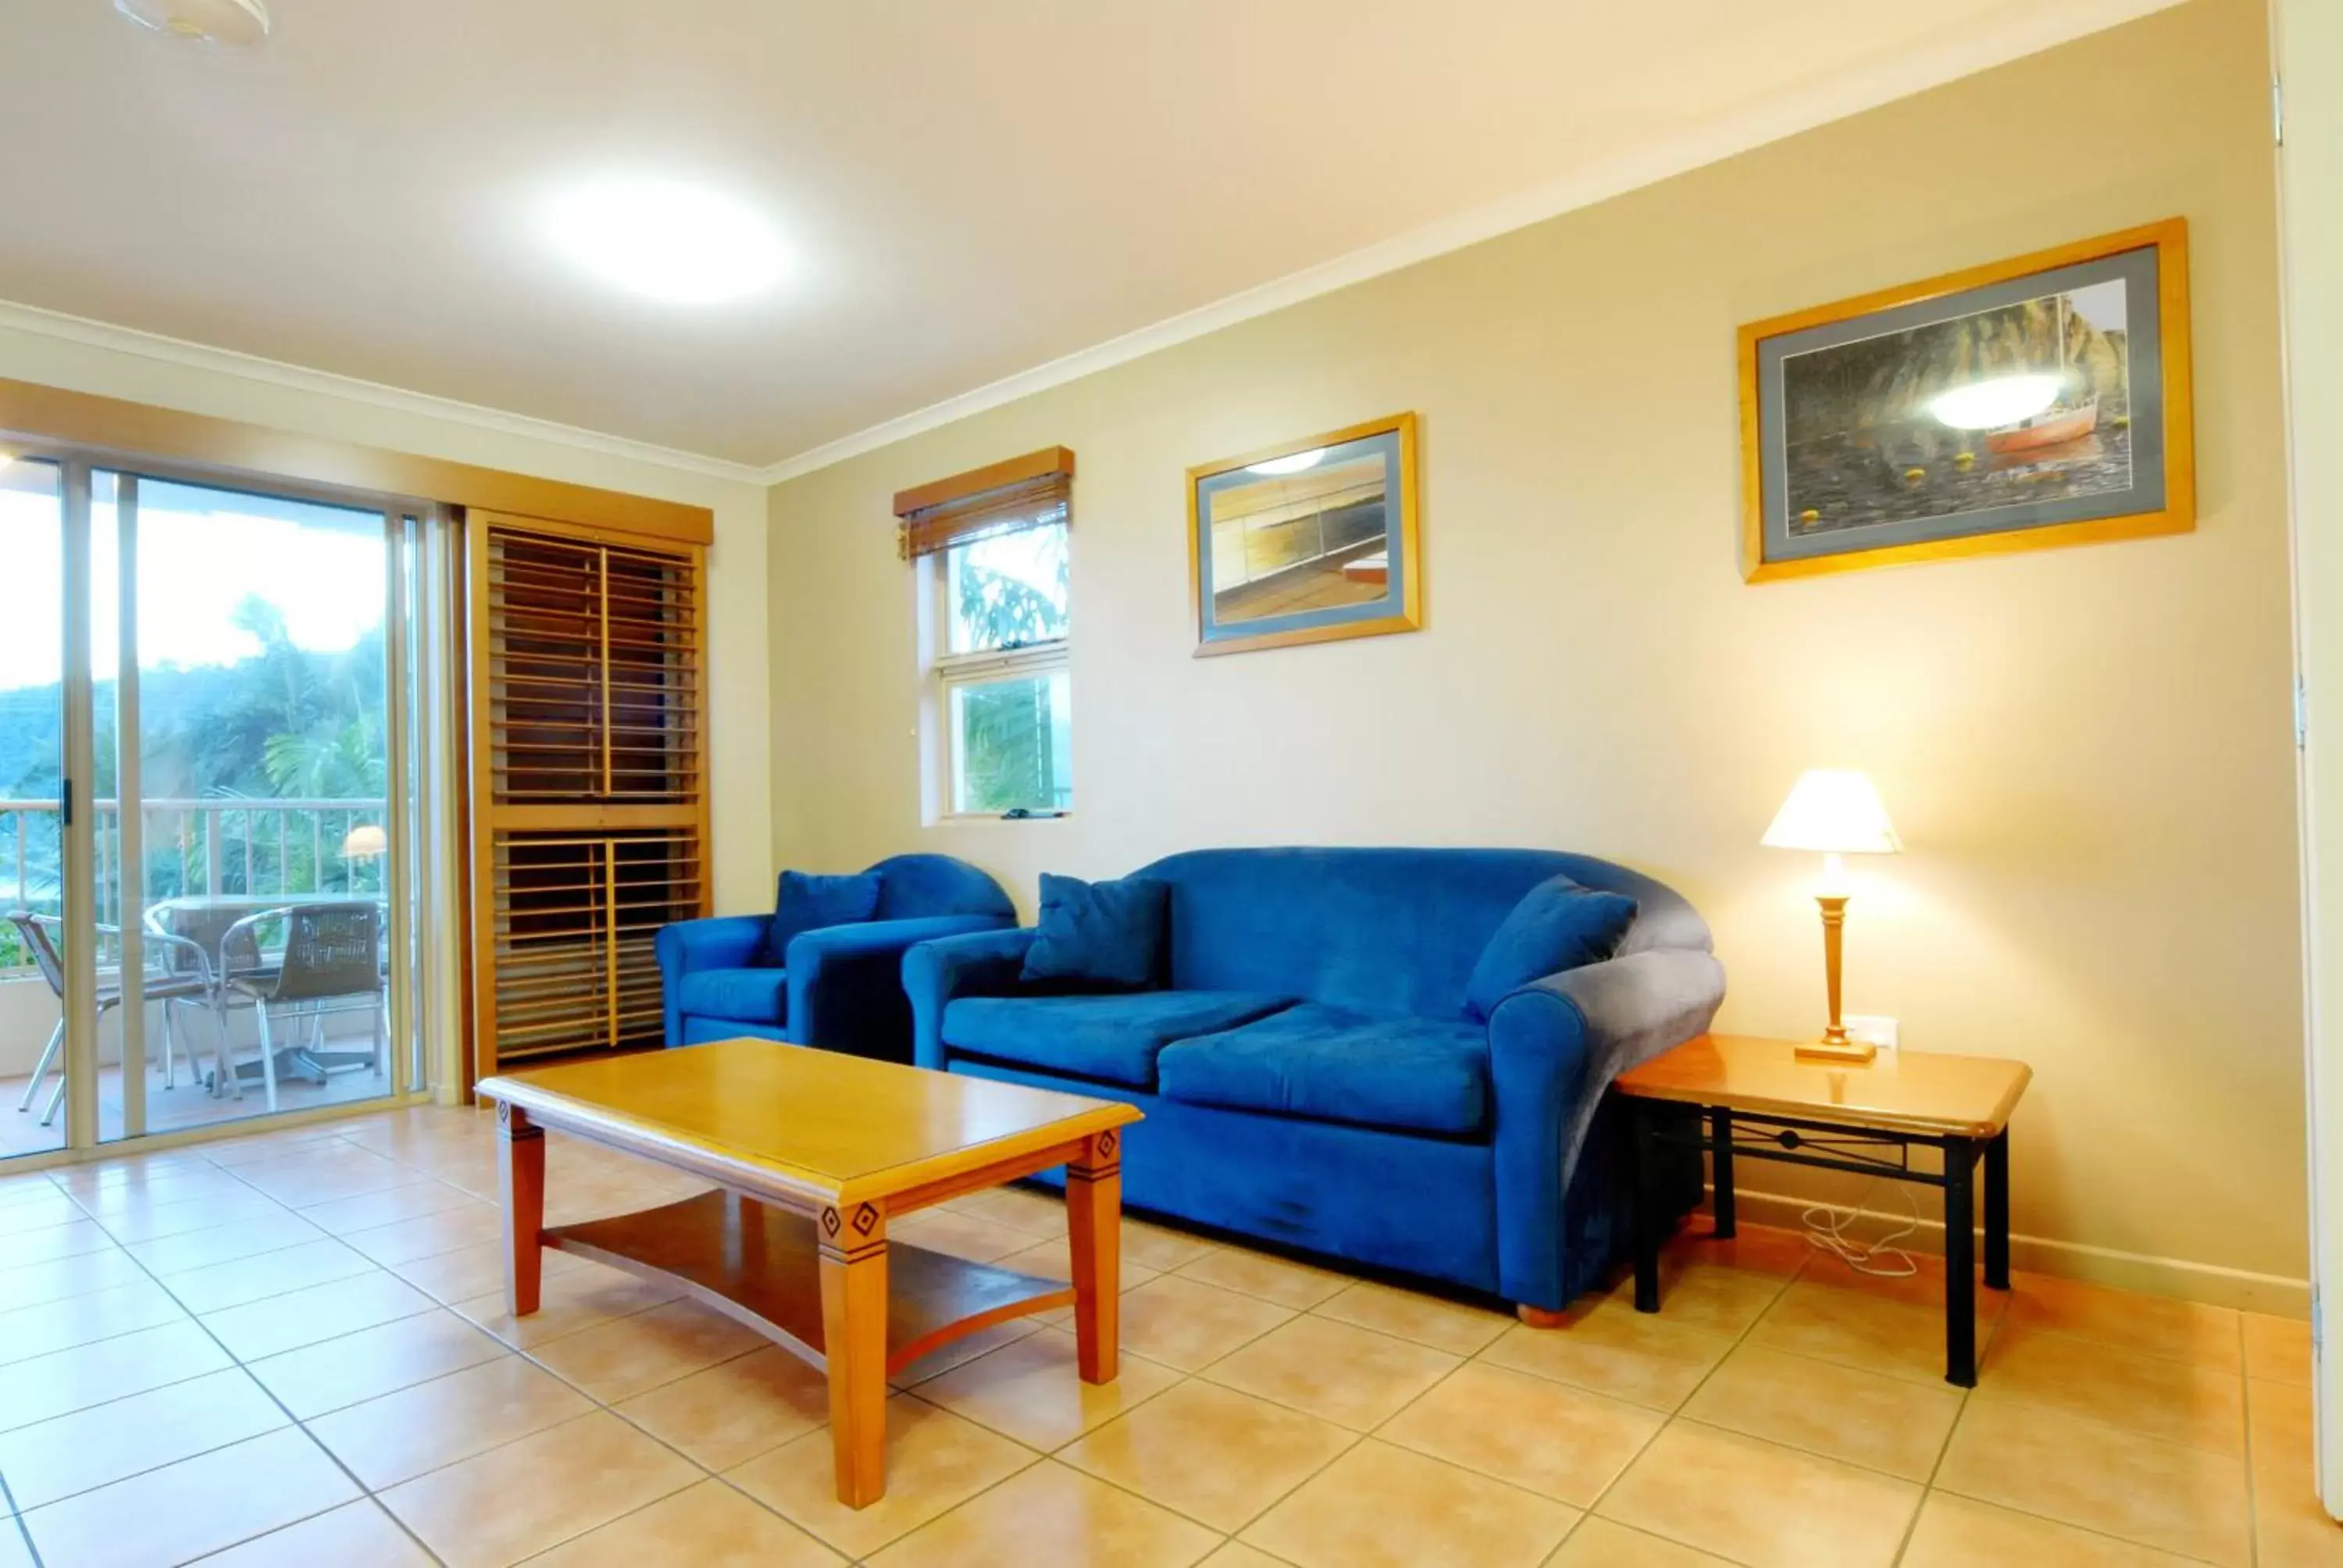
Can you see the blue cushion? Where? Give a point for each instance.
(743, 996)
(1113, 1038)
(1425, 1075)
(1558, 925)
(807, 903)
(1098, 933)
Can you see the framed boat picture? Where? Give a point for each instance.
(1307, 541)
(2039, 401)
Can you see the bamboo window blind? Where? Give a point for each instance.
(590, 805)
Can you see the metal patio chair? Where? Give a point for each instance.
(179, 971)
(332, 955)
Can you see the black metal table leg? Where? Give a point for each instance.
(1720, 1153)
(1996, 1210)
(1647, 1206)
(1960, 1262)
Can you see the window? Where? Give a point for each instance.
(1006, 699)
(990, 547)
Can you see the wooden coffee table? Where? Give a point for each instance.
(1765, 1101)
(814, 1155)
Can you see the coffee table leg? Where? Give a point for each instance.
(1094, 1235)
(520, 1181)
(854, 1344)
(1960, 1262)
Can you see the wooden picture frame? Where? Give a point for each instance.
(1851, 406)
(1327, 528)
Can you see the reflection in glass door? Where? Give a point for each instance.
(32, 819)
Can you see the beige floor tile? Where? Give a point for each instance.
(2160, 1494)
(2179, 1402)
(1031, 1390)
(935, 1461)
(355, 1535)
(1864, 1418)
(93, 1447)
(2277, 1349)
(736, 1410)
(257, 1277)
(1350, 1376)
(402, 1435)
(2291, 1526)
(963, 1350)
(1383, 1507)
(1922, 1288)
(373, 1362)
(1600, 1544)
(1288, 1283)
(1209, 1453)
(413, 1199)
(509, 1502)
(2156, 1326)
(575, 1299)
(1427, 1320)
(1035, 1212)
(1961, 1532)
(79, 1275)
(1163, 1248)
(36, 1206)
(171, 1255)
(30, 1331)
(85, 1375)
(1187, 1325)
(69, 1239)
(468, 1273)
(151, 1222)
(314, 1313)
(631, 1355)
(1051, 1261)
(197, 1506)
(1756, 1249)
(473, 1224)
(1714, 1299)
(1049, 1514)
(322, 1173)
(1868, 1332)
(961, 1235)
(1237, 1554)
(1559, 1441)
(1611, 1348)
(709, 1525)
(1760, 1503)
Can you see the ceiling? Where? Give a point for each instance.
(968, 188)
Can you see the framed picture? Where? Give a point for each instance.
(2039, 401)
(1308, 541)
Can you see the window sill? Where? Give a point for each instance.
(961, 818)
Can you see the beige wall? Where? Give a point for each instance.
(2087, 750)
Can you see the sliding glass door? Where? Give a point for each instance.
(227, 785)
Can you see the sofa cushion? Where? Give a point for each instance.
(1114, 1039)
(1098, 933)
(1416, 1074)
(743, 996)
(806, 903)
(1558, 925)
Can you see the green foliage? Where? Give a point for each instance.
(1012, 750)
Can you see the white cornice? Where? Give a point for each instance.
(105, 335)
(2025, 30)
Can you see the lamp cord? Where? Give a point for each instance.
(1829, 1228)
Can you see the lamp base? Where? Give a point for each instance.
(1836, 1051)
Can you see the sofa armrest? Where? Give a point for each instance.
(1554, 1046)
(846, 987)
(987, 964)
(726, 943)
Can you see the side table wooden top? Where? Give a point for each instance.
(1919, 1091)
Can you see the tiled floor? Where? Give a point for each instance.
(292, 1349)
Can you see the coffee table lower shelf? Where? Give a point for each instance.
(762, 1266)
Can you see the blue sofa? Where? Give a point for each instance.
(1310, 1075)
(838, 987)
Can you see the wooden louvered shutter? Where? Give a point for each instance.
(589, 807)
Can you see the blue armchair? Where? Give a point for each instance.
(838, 987)
(1310, 1075)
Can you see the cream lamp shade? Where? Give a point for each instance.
(1837, 811)
(365, 840)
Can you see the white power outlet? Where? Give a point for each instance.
(1876, 1030)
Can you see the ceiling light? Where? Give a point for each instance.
(235, 22)
(1288, 465)
(1988, 405)
(669, 241)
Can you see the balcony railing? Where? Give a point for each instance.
(216, 846)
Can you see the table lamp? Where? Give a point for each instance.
(1837, 811)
